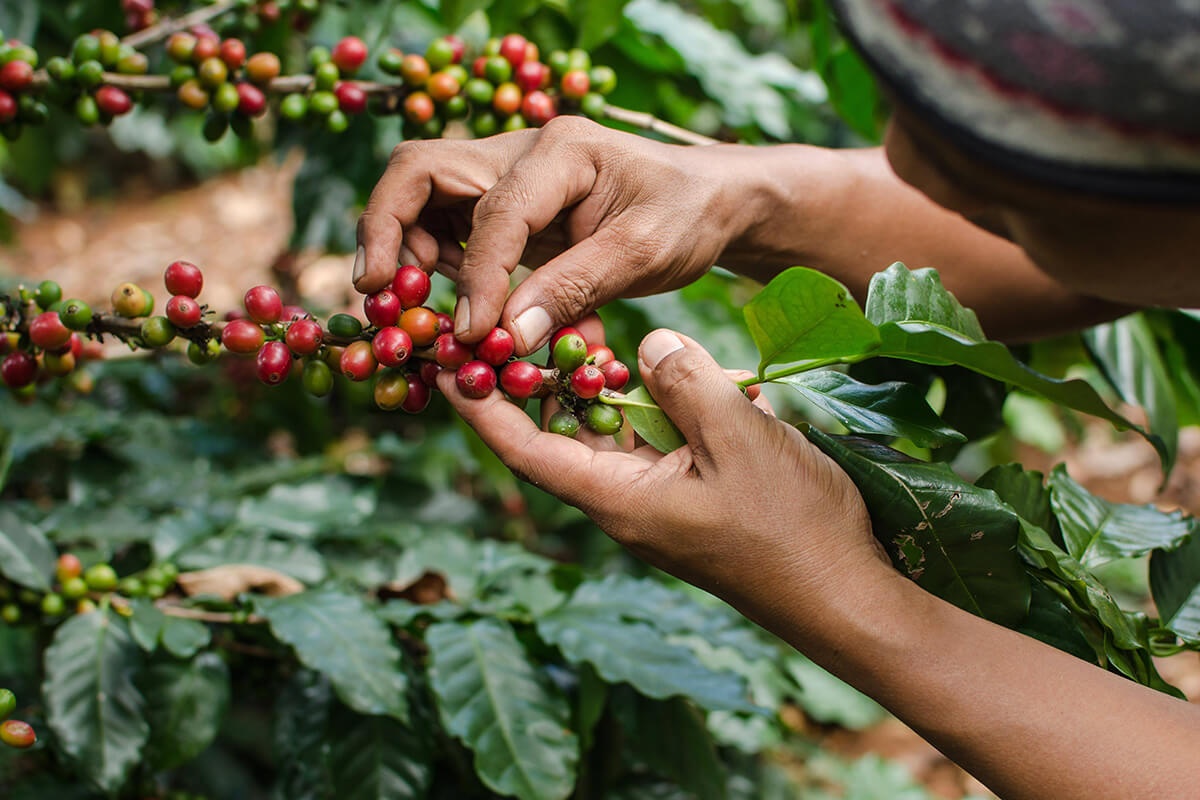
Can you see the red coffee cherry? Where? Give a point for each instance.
(458, 47)
(293, 313)
(587, 381)
(183, 311)
(445, 322)
(392, 346)
(538, 108)
(69, 566)
(382, 308)
(616, 375)
(429, 372)
(476, 379)
(391, 390)
(47, 331)
(351, 97)
(412, 286)
(479, 67)
(575, 84)
(242, 336)
(251, 100)
(521, 379)
(75, 346)
(600, 355)
(513, 48)
(531, 75)
(263, 305)
(418, 108)
(349, 54)
(358, 361)
(184, 277)
(16, 75)
(233, 53)
(304, 337)
(206, 47)
(15, 733)
(507, 99)
(418, 395)
(274, 362)
(18, 369)
(8, 107)
(421, 324)
(561, 332)
(496, 348)
(113, 101)
(450, 352)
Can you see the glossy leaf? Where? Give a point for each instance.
(295, 558)
(898, 294)
(596, 20)
(651, 422)
(337, 634)
(1024, 490)
(671, 738)
(306, 509)
(186, 703)
(491, 697)
(146, 624)
(301, 743)
(377, 758)
(1049, 620)
(954, 539)
(1175, 585)
(184, 638)
(92, 705)
(26, 555)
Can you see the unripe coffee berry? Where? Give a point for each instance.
(130, 300)
(47, 331)
(507, 99)
(11, 613)
(349, 54)
(496, 348)
(47, 294)
(564, 423)
(53, 605)
(192, 94)
(442, 86)
(382, 308)
(100, 578)
(263, 305)
(317, 378)
(450, 352)
(68, 566)
(344, 326)
(521, 379)
(8, 703)
(475, 379)
(561, 332)
(604, 419)
(616, 375)
(242, 336)
(358, 361)
(179, 47)
(421, 324)
(183, 311)
(212, 72)
(412, 286)
(17, 734)
(418, 397)
(58, 365)
(158, 331)
(200, 354)
(392, 346)
(418, 108)
(390, 61)
(263, 68)
(74, 588)
(570, 351)
(304, 337)
(76, 314)
(225, 99)
(274, 363)
(587, 381)
(391, 390)
(18, 369)
(415, 70)
(351, 98)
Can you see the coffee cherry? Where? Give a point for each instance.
(351, 97)
(513, 48)
(484, 124)
(532, 53)
(445, 322)
(392, 346)
(68, 566)
(262, 68)
(358, 361)
(475, 379)
(531, 76)
(11, 613)
(479, 91)
(578, 58)
(74, 588)
(192, 94)
(113, 101)
(294, 107)
(100, 578)
(183, 277)
(233, 53)
(344, 326)
(131, 587)
(263, 305)
(47, 294)
(53, 605)
(382, 308)
(133, 63)
(58, 364)
(496, 348)
(130, 300)
(304, 337)
(206, 47)
(47, 331)
(85, 606)
(418, 397)
(8, 107)
(507, 99)
(349, 54)
(603, 79)
(158, 332)
(450, 352)
(616, 375)
(570, 352)
(251, 100)
(18, 369)
(322, 104)
(8, 703)
(429, 371)
(183, 311)
(564, 423)
(391, 390)
(242, 336)
(326, 76)
(418, 108)
(110, 47)
(179, 47)
(224, 100)
(497, 69)
(558, 62)
(201, 354)
(421, 324)
(61, 69)
(440, 53)
(515, 123)
(318, 55)
(391, 61)
(337, 121)
(604, 419)
(317, 378)
(414, 70)
(575, 84)
(412, 286)
(274, 362)
(181, 75)
(17, 734)
(600, 355)
(587, 381)
(521, 379)
(212, 72)
(561, 332)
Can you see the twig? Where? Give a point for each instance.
(162, 30)
(649, 122)
(216, 617)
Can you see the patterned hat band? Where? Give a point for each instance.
(1101, 96)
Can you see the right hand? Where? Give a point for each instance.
(603, 214)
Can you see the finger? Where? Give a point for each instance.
(736, 375)
(422, 245)
(591, 328)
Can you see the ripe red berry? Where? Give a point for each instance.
(184, 277)
(17, 734)
(206, 47)
(479, 66)
(531, 75)
(48, 331)
(600, 355)
(382, 308)
(458, 46)
(538, 108)
(445, 322)
(450, 352)
(274, 362)
(242, 336)
(351, 97)
(8, 107)
(16, 75)
(418, 108)
(476, 379)
(587, 381)
(575, 84)
(75, 346)
(114, 101)
(304, 337)
(349, 54)
(429, 371)
(616, 375)
(233, 53)
(521, 379)
(183, 311)
(263, 305)
(418, 395)
(18, 369)
(496, 348)
(421, 324)
(392, 346)
(251, 100)
(293, 313)
(412, 286)
(358, 361)
(512, 47)
(69, 566)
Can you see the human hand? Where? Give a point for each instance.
(604, 214)
(748, 510)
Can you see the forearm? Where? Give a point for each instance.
(1028, 720)
(846, 213)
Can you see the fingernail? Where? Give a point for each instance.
(530, 327)
(360, 263)
(658, 346)
(407, 257)
(462, 317)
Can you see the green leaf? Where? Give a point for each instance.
(186, 703)
(146, 624)
(92, 705)
(829, 700)
(337, 634)
(1051, 621)
(184, 638)
(954, 539)
(294, 558)
(306, 509)
(803, 314)
(26, 555)
(454, 12)
(887, 409)
(490, 697)
(899, 294)
(1096, 531)
(1024, 490)
(377, 758)
(1175, 585)
(301, 743)
(598, 628)
(650, 421)
(596, 20)
(671, 738)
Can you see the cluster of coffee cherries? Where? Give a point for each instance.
(13, 732)
(20, 101)
(215, 73)
(80, 80)
(40, 338)
(76, 590)
(329, 100)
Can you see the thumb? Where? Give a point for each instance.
(696, 393)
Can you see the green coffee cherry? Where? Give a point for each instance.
(294, 107)
(203, 354)
(225, 98)
(60, 69)
(8, 704)
(11, 613)
(337, 121)
(48, 293)
(326, 76)
(86, 110)
(76, 314)
(317, 378)
(89, 74)
(479, 91)
(602, 79)
(559, 62)
(131, 587)
(157, 332)
(570, 352)
(344, 326)
(100, 578)
(604, 419)
(87, 48)
(74, 588)
(485, 124)
(53, 605)
(564, 423)
(578, 58)
(593, 104)
(318, 56)
(323, 103)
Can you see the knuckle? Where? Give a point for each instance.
(405, 153)
(565, 126)
(679, 371)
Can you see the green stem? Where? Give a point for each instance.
(807, 366)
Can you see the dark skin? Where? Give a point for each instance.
(749, 510)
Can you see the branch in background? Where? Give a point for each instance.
(649, 122)
(166, 27)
